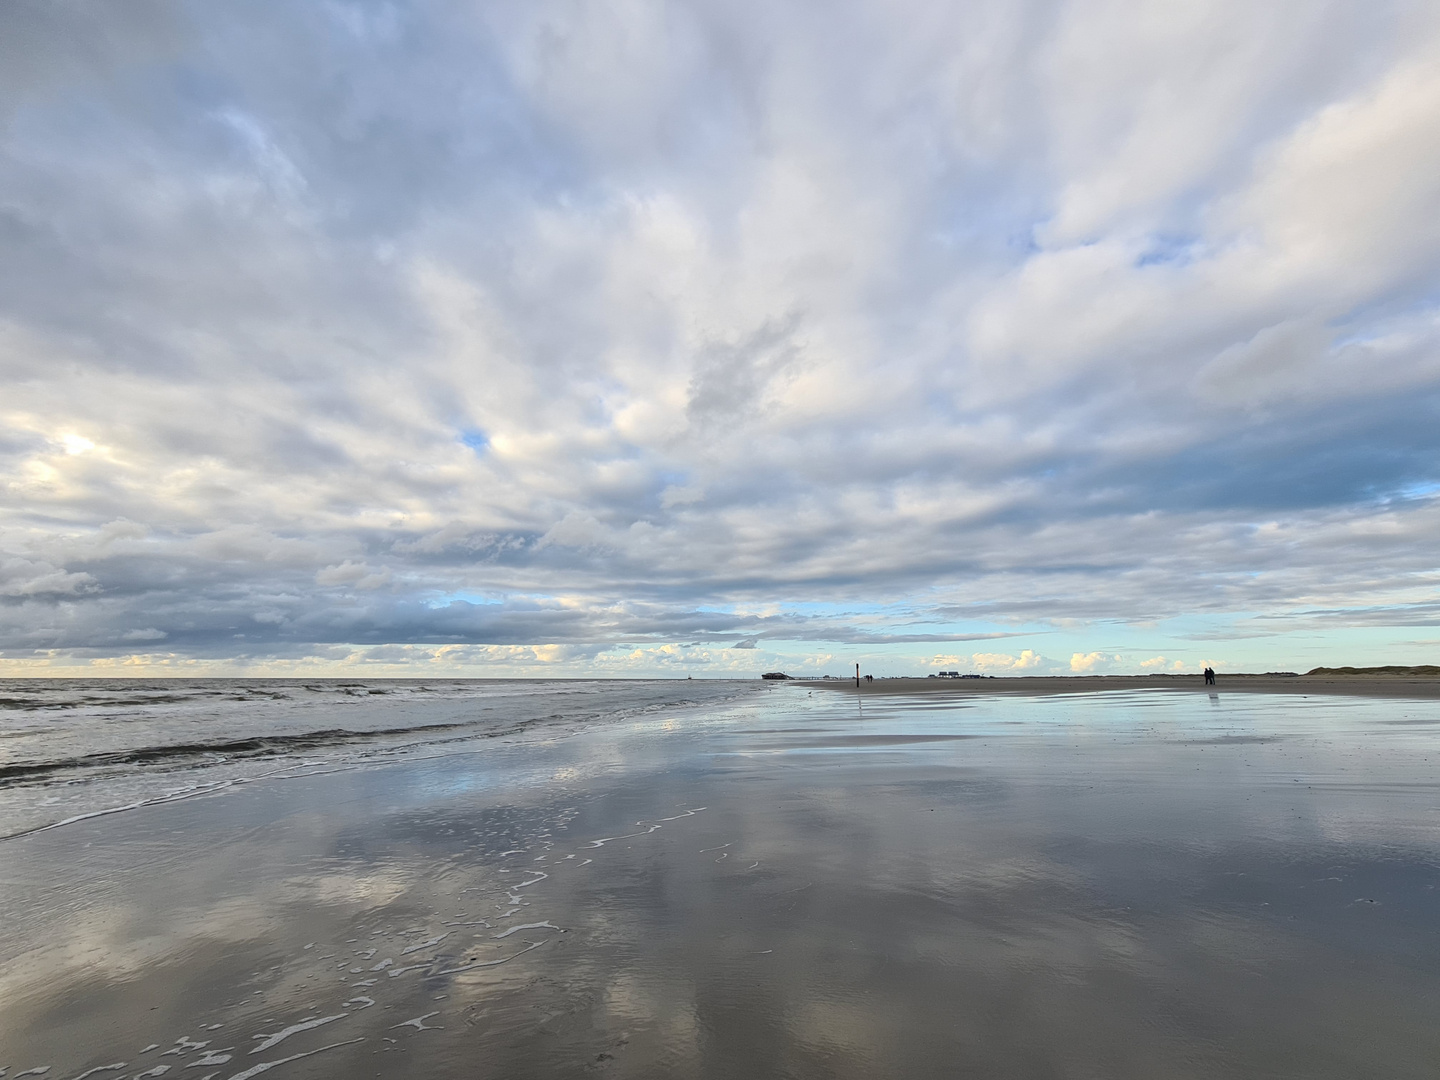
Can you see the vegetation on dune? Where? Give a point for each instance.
(1393, 669)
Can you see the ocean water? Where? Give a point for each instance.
(769, 881)
(72, 748)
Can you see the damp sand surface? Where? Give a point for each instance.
(784, 883)
(1402, 684)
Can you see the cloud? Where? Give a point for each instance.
(24, 577)
(516, 327)
(356, 574)
(1026, 661)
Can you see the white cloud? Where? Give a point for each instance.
(988, 662)
(982, 316)
(24, 577)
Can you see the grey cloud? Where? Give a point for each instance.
(733, 380)
(997, 315)
(22, 577)
(1424, 614)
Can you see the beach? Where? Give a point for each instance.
(739, 880)
(1425, 687)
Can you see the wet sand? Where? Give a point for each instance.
(1384, 686)
(1121, 884)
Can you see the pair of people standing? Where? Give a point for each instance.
(1209, 676)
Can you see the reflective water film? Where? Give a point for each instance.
(772, 881)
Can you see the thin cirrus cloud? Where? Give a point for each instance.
(454, 337)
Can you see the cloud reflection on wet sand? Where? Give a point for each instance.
(1106, 885)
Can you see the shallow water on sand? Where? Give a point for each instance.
(790, 884)
(72, 748)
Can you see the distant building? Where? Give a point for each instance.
(774, 675)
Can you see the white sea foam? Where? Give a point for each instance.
(527, 926)
(490, 963)
(100, 1068)
(184, 1045)
(295, 1029)
(212, 1057)
(426, 944)
(687, 813)
(264, 1066)
(418, 1023)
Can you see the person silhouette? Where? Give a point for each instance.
(1209, 676)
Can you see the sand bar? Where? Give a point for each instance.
(1384, 686)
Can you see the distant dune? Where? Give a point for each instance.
(1422, 671)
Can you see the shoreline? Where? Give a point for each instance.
(1381, 686)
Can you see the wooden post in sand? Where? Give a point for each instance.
(857, 676)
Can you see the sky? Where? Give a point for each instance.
(676, 339)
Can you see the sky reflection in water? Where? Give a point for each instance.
(1144, 885)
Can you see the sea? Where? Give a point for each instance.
(76, 749)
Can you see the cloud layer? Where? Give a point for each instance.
(551, 337)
